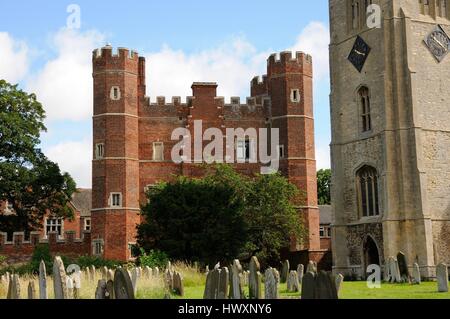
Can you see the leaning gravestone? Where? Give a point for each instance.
(178, 287)
(403, 267)
(109, 289)
(123, 288)
(339, 280)
(300, 273)
(42, 281)
(416, 274)
(59, 279)
(254, 279)
(292, 282)
(100, 292)
(442, 277)
(308, 285)
(235, 280)
(31, 290)
(285, 271)
(223, 288)
(14, 287)
(387, 269)
(271, 284)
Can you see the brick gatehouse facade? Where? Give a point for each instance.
(132, 141)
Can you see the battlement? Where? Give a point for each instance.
(35, 238)
(107, 58)
(259, 86)
(161, 101)
(287, 62)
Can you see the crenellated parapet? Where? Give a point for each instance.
(106, 59)
(287, 62)
(259, 86)
(255, 107)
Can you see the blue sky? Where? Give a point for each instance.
(183, 41)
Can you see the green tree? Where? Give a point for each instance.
(323, 186)
(31, 183)
(223, 216)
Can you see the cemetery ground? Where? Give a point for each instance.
(194, 286)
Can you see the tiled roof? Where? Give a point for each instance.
(82, 200)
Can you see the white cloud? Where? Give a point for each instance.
(322, 156)
(314, 40)
(75, 158)
(232, 65)
(14, 58)
(64, 85)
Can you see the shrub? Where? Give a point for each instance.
(154, 258)
(41, 252)
(87, 261)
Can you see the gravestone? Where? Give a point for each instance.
(212, 284)
(403, 267)
(325, 286)
(394, 271)
(292, 282)
(147, 272)
(92, 272)
(168, 279)
(104, 271)
(416, 274)
(276, 273)
(271, 284)
(31, 290)
(100, 292)
(59, 279)
(442, 277)
(387, 269)
(222, 291)
(42, 281)
(235, 280)
(308, 285)
(285, 271)
(155, 272)
(300, 273)
(134, 278)
(110, 275)
(109, 289)
(70, 288)
(254, 279)
(14, 287)
(74, 273)
(339, 280)
(311, 267)
(123, 288)
(178, 287)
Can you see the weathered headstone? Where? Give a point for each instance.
(271, 284)
(285, 271)
(70, 288)
(339, 280)
(300, 273)
(235, 280)
(109, 289)
(147, 272)
(31, 290)
(14, 287)
(394, 271)
(100, 292)
(168, 279)
(292, 282)
(325, 286)
(212, 284)
(416, 274)
(155, 272)
(42, 281)
(403, 267)
(442, 277)
(178, 287)
(222, 291)
(110, 275)
(134, 278)
(104, 271)
(308, 285)
(92, 272)
(123, 288)
(311, 267)
(59, 279)
(254, 279)
(387, 269)
(74, 273)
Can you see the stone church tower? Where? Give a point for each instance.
(390, 133)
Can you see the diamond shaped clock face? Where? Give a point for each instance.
(438, 43)
(359, 53)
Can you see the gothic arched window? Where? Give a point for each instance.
(364, 100)
(367, 185)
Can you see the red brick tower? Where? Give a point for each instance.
(115, 178)
(289, 84)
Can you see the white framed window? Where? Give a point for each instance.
(97, 247)
(53, 225)
(99, 150)
(115, 200)
(322, 231)
(325, 231)
(115, 93)
(87, 224)
(295, 96)
(281, 151)
(158, 151)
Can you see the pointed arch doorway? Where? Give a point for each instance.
(370, 253)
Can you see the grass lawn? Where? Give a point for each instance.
(355, 290)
